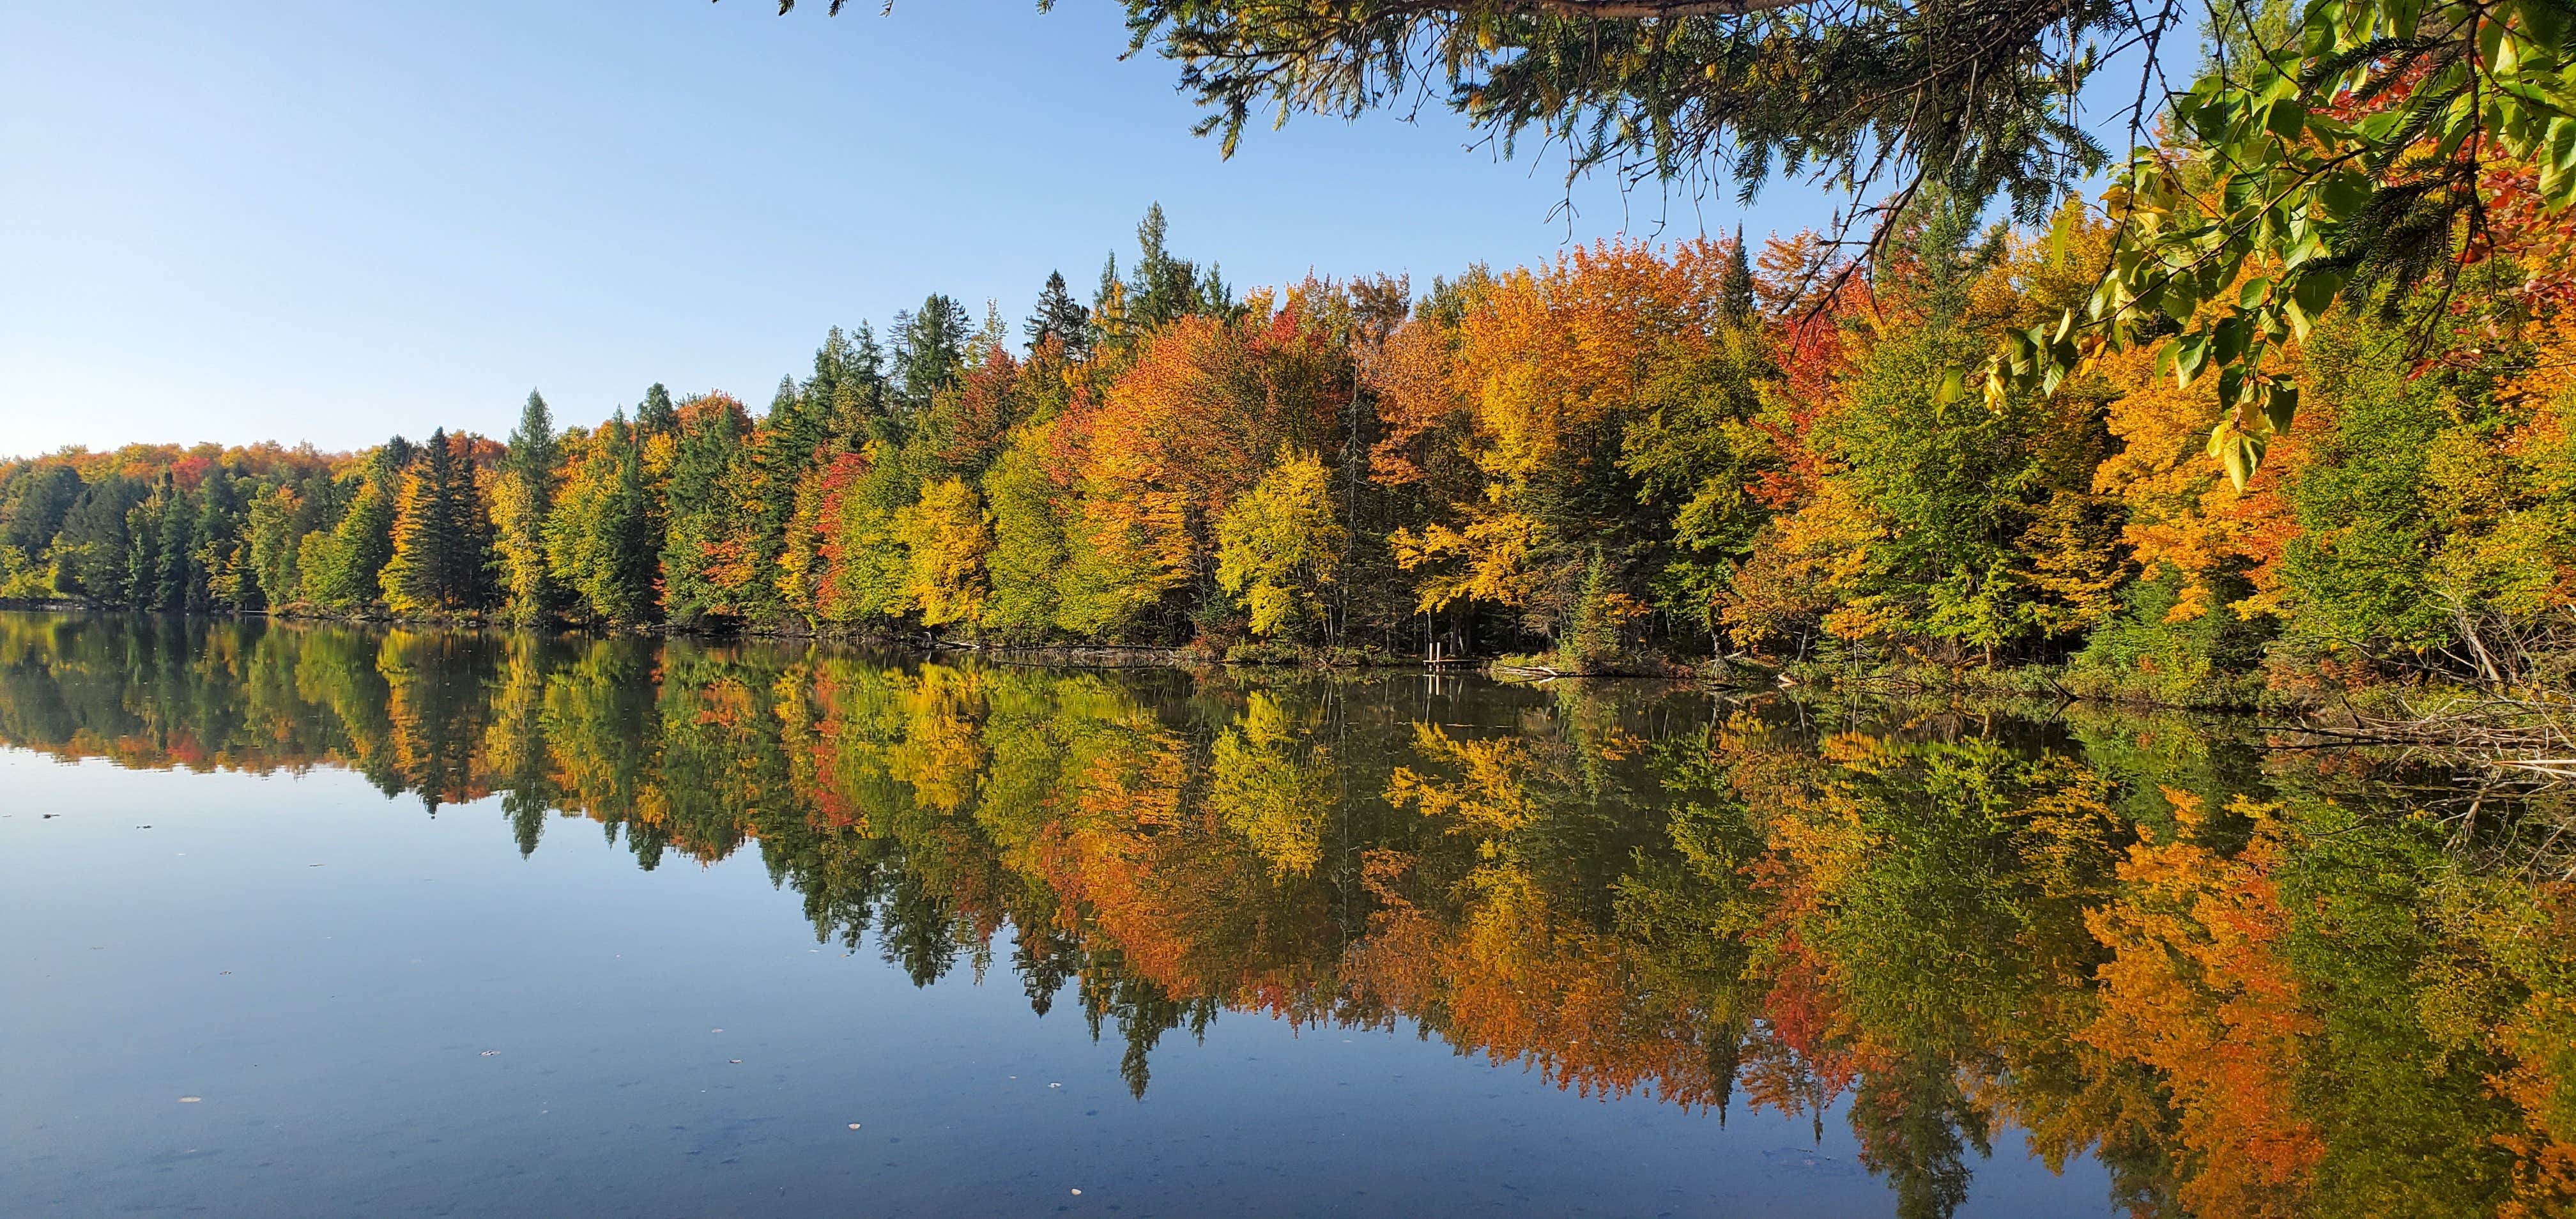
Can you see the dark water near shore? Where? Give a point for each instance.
(316, 921)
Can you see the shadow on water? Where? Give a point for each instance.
(2248, 981)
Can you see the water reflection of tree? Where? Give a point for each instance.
(2247, 983)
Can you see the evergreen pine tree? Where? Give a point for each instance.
(822, 390)
(989, 337)
(520, 511)
(764, 480)
(1150, 296)
(410, 578)
(533, 448)
(1060, 317)
(218, 573)
(43, 503)
(1215, 299)
(931, 342)
(859, 395)
(1108, 331)
(438, 523)
(1736, 286)
(698, 517)
(89, 551)
(634, 550)
(140, 586)
(1164, 287)
(468, 528)
(174, 587)
(656, 417)
(794, 428)
(440, 541)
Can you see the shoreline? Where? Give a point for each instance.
(1727, 673)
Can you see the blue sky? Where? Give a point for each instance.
(332, 222)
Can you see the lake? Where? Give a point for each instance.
(312, 920)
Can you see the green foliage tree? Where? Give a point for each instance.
(1028, 541)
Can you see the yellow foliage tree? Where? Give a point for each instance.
(945, 537)
(1278, 547)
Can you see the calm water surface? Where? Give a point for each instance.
(308, 921)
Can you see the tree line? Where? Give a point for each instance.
(1686, 449)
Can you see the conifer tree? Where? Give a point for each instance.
(520, 503)
(469, 524)
(656, 416)
(147, 546)
(844, 402)
(761, 484)
(439, 538)
(1736, 287)
(632, 547)
(89, 551)
(1215, 298)
(42, 504)
(410, 579)
(219, 576)
(170, 569)
(1109, 332)
(822, 390)
(931, 343)
(341, 566)
(698, 516)
(1060, 317)
(599, 544)
(1163, 287)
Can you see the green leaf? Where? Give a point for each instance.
(2315, 291)
(2280, 405)
(2286, 118)
(2344, 193)
(2190, 353)
(2227, 341)
(2545, 24)
(2558, 163)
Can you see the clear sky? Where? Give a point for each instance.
(332, 222)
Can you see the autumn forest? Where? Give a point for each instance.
(1632, 455)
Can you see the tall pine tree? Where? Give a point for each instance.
(1736, 285)
(1163, 288)
(439, 540)
(930, 344)
(1060, 317)
(699, 518)
(520, 502)
(656, 416)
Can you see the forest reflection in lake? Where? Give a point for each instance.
(1973, 949)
